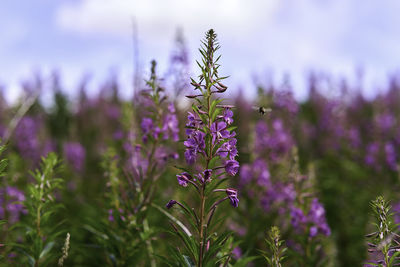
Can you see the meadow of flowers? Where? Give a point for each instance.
(192, 173)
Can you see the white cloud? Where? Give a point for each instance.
(284, 35)
(160, 18)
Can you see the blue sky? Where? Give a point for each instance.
(257, 36)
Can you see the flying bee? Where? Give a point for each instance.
(262, 110)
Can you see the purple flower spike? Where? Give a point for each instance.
(75, 154)
(171, 203)
(232, 167)
(232, 194)
(184, 178)
(313, 231)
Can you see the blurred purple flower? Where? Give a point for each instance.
(276, 140)
(170, 124)
(75, 154)
(391, 157)
(316, 216)
(113, 112)
(13, 205)
(148, 128)
(26, 138)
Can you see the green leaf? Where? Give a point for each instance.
(46, 249)
(189, 262)
(243, 261)
(172, 218)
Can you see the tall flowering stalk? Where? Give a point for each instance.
(127, 234)
(210, 143)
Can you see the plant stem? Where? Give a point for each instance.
(202, 192)
(150, 250)
(202, 196)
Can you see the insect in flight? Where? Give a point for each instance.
(262, 110)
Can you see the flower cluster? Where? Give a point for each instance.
(75, 154)
(154, 124)
(274, 139)
(12, 199)
(315, 219)
(210, 137)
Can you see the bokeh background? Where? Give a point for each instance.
(276, 37)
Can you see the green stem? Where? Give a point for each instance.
(150, 250)
(203, 228)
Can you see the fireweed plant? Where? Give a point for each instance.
(126, 235)
(276, 248)
(384, 247)
(42, 244)
(210, 144)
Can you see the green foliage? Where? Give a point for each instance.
(41, 230)
(3, 162)
(383, 241)
(276, 254)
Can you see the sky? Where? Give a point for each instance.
(263, 38)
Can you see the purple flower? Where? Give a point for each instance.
(193, 121)
(205, 176)
(372, 154)
(26, 136)
(170, 124)
(385, 121)
(219, 131)
(184, 178)
(298, 218)
(286, 100)
(258, 171)
(232, 167)
(246, 174)
(391, 156)
(14, 205)
(237, 253)
(113, 112)
(194, 144)
(277, 141)
(228, 116)
(316, 216)
(228, 149)
(149, 128)
(232, 194)
(313, 231)
(118, 135)
(110, 215)
(171, 203)
(75, 155)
